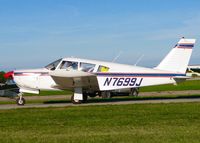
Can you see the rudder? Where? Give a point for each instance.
(178, 58)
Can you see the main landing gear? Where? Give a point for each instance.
(78, 97)
(81, 97)
(106, 94)
(20, 100)
(77, 101)
(134, 92)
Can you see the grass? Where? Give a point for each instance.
(187, 85)
(145, 123)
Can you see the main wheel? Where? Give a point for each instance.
(106, 94)
(85, 97)
(92, 94)
(75, 101)
(134, 92)
(20, 101)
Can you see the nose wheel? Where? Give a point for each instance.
(20, 100)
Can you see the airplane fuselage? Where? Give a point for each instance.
(119, 76)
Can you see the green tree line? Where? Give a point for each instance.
(2, 79)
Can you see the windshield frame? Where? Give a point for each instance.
(53, 65)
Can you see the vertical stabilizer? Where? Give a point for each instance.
(178, 58)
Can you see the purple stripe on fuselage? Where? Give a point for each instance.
(141, 74)
(110, 74)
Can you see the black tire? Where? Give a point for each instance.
(103, 95)
(134, 92)
(85, 97)
(75, 101)
(20, 102)
(92, 95)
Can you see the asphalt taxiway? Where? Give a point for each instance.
(149, 101)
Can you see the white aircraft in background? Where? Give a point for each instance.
(92, 77)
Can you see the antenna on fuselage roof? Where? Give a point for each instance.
(116, 57)
(138, 60)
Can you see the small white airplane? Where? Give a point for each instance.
(92, 77)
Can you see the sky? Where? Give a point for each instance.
(34, 33)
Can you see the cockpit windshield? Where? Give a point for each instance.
(87, 67)
(69, 65)
(52, 66)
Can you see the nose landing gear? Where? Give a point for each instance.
(20, 100)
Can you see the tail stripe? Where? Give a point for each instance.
(178, 58)
(184, 46)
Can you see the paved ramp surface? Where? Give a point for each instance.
(148, 101)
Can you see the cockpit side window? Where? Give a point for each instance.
(69, 65)
(103, 69)
(87, 67)
(52, 66)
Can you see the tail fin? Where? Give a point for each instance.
(178, 58)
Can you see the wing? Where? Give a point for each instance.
(73, 78)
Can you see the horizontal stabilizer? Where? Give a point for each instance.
(182, 77)
(179, 79)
